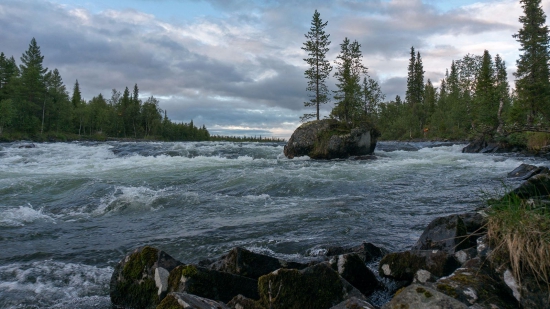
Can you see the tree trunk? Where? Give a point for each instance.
(500, 128)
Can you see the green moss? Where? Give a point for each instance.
(447, 289)
(292, 289)
(169, 302)
(137, 288)
(140, 261)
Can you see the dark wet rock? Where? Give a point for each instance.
(366, 251)
(444, 233)
(482, 146)
(402, 266)
(241, 302)
(331, 139)
(353, 303)
(527, 291)
(31, 145)
(140, 279)
(352, 268)
(536, 186)
(418, 296)
(473, 285)
(317, 286)
(242, 262)
(212, 284)
(189, 301)
(526, 171)
(476, 226)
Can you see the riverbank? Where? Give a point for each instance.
(482, 259)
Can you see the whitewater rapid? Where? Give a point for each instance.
(70, 211)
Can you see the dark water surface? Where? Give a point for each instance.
(70, 211)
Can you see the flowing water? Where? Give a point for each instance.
(70, 211)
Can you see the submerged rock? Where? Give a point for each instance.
(315, 287)
(140, 280)
(331, 139)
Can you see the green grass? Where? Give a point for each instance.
(519, 231)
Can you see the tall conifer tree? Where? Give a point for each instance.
(532, 84)
(349, 69)
(319, 67)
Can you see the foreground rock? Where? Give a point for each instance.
(242, 262)
(421, 297)
(368, 252)
(140, 280)
(352, 268)
(315, 287)
(212, 284)
(189, 301)
(448, 234)
(474, 285)
(330, 139)
(402, 266)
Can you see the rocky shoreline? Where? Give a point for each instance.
(450, 266)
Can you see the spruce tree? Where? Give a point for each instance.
(502, 91)
(77, 95)
(409, 94)
(349, 70)
(532, 84)
(485, 103)
(32, 89)
(319, 67)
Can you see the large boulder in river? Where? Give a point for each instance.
(331, 139)
(444, 233)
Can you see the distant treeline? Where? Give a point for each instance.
(35, 104)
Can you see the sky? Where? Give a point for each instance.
(237, 66)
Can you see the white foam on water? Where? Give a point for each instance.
(22, 215)
(47, 283)
(130, 198)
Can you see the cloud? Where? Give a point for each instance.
(223, 68)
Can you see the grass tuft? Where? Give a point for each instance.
(519, 230)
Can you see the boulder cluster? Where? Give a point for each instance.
(448, 267)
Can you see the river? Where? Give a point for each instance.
(70, 211)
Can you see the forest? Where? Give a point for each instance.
(473, 101)
(35, 104)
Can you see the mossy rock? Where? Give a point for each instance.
(331, 139)
(132, 283)
(444, 233)
(241, 302)
(137, 279)
(315, 287)
(403, 265)
(475, 284)
(420, 297)
(211, 284)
